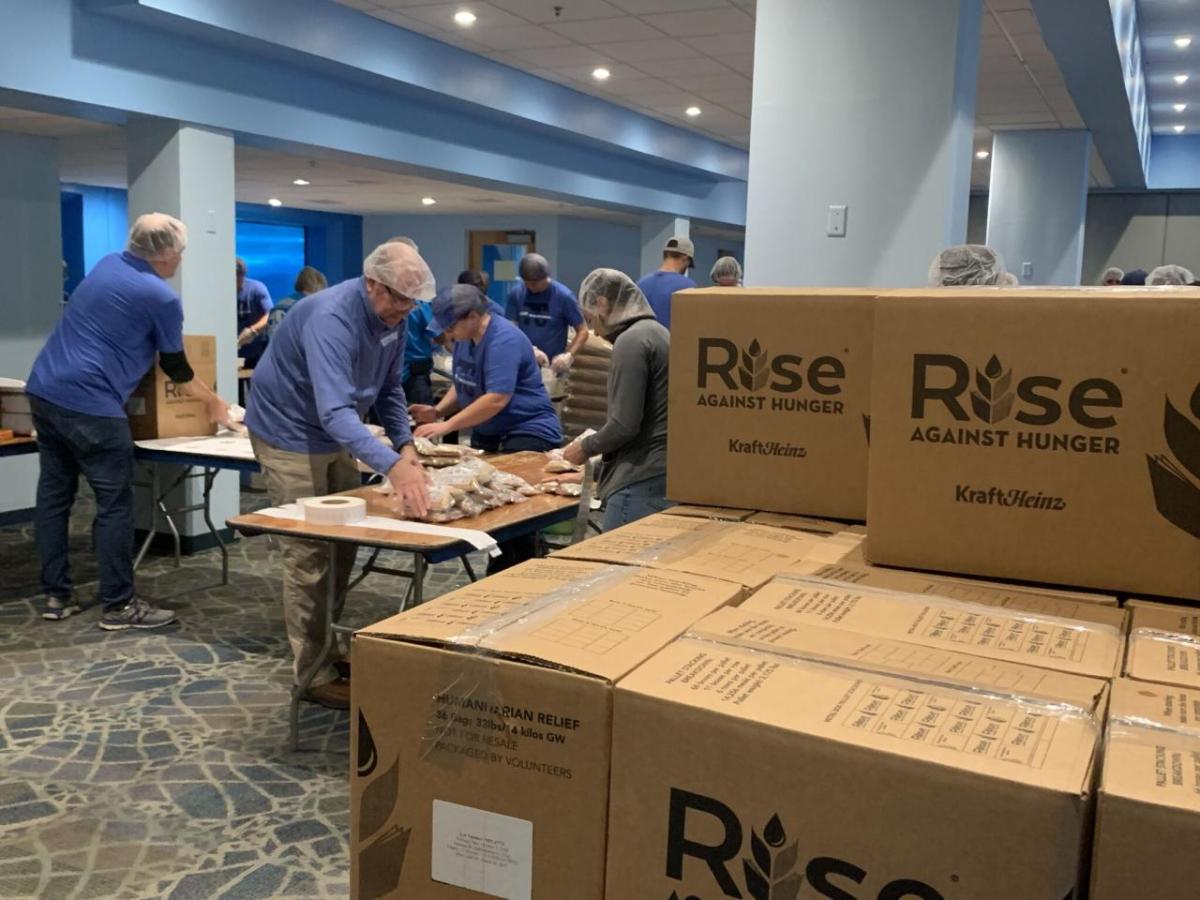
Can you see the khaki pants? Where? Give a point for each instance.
(290, 476)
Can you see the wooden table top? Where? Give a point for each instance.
(529, 465)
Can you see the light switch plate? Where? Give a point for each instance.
(835, 222)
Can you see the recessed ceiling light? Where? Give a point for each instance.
(693, 111)
(274, 201)
(465, 18)
(1181, 79)
(982, 154)
(601, 74)
(300, 182)
(1179, 129)
(427, 201)
(1183, 42)
(1179, 107)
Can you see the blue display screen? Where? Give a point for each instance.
(273, 254)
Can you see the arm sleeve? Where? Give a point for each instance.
(168, 325)
(571, 311)
(628, 376)
(391, 405)
(175, 365)
(265, 303)
(331, 350)
(503, 365)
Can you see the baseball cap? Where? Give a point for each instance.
(680, 245)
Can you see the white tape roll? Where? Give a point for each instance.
(334, 510)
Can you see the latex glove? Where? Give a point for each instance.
(561, 363)
(423, 414)
(247, 335)
(409, 486)
(540, 358)
(574, 454)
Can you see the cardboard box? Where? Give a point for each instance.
(804, 523)
(768, 399)
(1102, 609)
(749, 555)
(1067, 645)
(1028, 435)
(744, 773)
(719, 513)
(482, 728)
(160, 409)
(1164, 644)
(1148, 811)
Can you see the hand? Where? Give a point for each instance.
(561, 363)
(563, 478)
(540, 358)
(423, 414)
(218, 411)
(409, 486)
(247, 335)
(574, 454)
(432, 430)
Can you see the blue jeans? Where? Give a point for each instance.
(101, 449)
(636, 501)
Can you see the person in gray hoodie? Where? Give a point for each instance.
(633, 442)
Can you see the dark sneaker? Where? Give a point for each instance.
(57, 609)
(137, 613)
(334, 695)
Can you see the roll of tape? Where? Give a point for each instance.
(334, 510)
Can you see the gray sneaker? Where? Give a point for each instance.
(137, 613)
(58, 609)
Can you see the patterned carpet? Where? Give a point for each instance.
(154, 764)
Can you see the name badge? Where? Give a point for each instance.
(389, 338)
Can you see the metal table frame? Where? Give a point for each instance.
(18, 446)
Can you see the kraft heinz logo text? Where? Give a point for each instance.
(1059, 416)
(750, 377)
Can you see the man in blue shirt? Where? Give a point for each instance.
(498, 391)
(119, 317)
(544, 309)
(335, 355)
(253, 312)
(658, 286)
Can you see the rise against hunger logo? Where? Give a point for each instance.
(1175, 477)
(993, 407)
(750, 377)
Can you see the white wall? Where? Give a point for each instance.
(31, 258)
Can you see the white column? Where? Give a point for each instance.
(656, 230)
(866, 105)
(188, 172)
(31, 260)
(1037, 203)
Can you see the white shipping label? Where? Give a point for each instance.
(482, 851)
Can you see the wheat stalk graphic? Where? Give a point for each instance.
(754, 371)
(992, 401)
(770, 874)
(1174, 480)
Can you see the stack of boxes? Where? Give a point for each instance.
(810, 719)
(587, 388)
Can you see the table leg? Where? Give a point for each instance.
(468, 568)
(210, 476)
(153, 516)
(306, 677)
(418, 578)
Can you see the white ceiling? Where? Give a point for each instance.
(1159, 23)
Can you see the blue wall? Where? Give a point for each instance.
(333, 241)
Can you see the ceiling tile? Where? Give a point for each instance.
(558, 57)
(634, 87)
(442, 16)
(742, 63)
(699, 24)
(599, 31)
(543, 11)
(519, 37)
(638, 51)
(1020, 22)
(718, 45)
(679, 68)
(724, 82)
(737, 101)
(649, 7)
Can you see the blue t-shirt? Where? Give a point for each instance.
(279, 310)
(118, 318)
(253, 302)
(503, 363)
(658, 288)
(545, 316)
(329, 362)
(419, 347)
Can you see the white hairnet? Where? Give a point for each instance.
(625, 299)
(726, 267)
(401, 268)
(967, 264)
(1169, 275)
(1112, 273)
(155, 235)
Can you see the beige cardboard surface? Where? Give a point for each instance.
(748, 555)
(482, 728)
(1067, 645)
(799, 523)
(720, 513)
(1030, 436)
(802, 781)
(159, 409)
(1103, 609)
(1164, 644)
(1148, 813)
(769, 388)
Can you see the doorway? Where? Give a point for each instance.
(497, 253)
